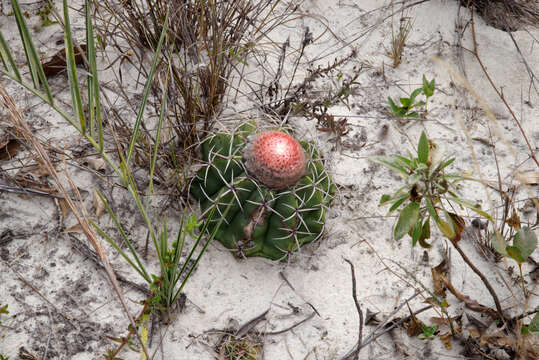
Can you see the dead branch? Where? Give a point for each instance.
(358, 308)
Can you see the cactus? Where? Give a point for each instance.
(275, 188)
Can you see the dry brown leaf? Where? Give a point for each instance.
(438, 273)
(9, 148)
(64, 208)
(514, 221)
(458, 225)
(474, 333)
(77, 228)
(96, 164)
(99, 206)
(57, 62)
(446, 339)
(442, 320)
(414, 325)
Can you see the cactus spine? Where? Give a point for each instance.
(278, 200)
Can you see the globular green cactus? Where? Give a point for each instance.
(275, 188)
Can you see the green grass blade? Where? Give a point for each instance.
(72, 72)
(158, 137)
(94, 104)
(115, 246)
(139, 267)
(34, 63)
(7, 59)
(146, 92)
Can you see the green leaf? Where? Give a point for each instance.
(389, 163)
(147, 87)
(425, 234)
(399, 202)
(94, 103)
(428, 87)
(432, 210)
(407, 219)
(499, 244)
(396, 110)
(384, 199)
(525, 241)
(515, 254)
(7, 59)
(192, 224)
(413, 114)
(404, 160)
(445, 229)
(470, 206)
(416, 233)
(406, 102)
(428, 331)
(419, 103)
(445, 164)
(423, 148)
(414, 94)
(76, 99)
(34, 63)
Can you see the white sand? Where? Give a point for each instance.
(225, 291)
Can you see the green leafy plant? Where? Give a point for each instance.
(532, 327)
(428, 332)
(44, 14)
(524, 244)
(408, 104)
(428, 195)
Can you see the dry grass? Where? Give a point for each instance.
(205, 43)
(507, 15)
(398, 39)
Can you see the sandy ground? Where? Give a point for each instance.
(60, 301)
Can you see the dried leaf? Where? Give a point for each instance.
(96, 164)
(370, 318)
(474, 333)
(414, 326)
(9, 148)
(64, 208)
(77, 228)
(446, 339)
(438, 274)
(457, 224)
(514, 221)
(99, 206)
(57, 63)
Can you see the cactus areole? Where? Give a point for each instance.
(275, 189)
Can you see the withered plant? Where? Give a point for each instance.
(205, 43)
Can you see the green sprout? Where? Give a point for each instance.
(428, 332)
(408, 104)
